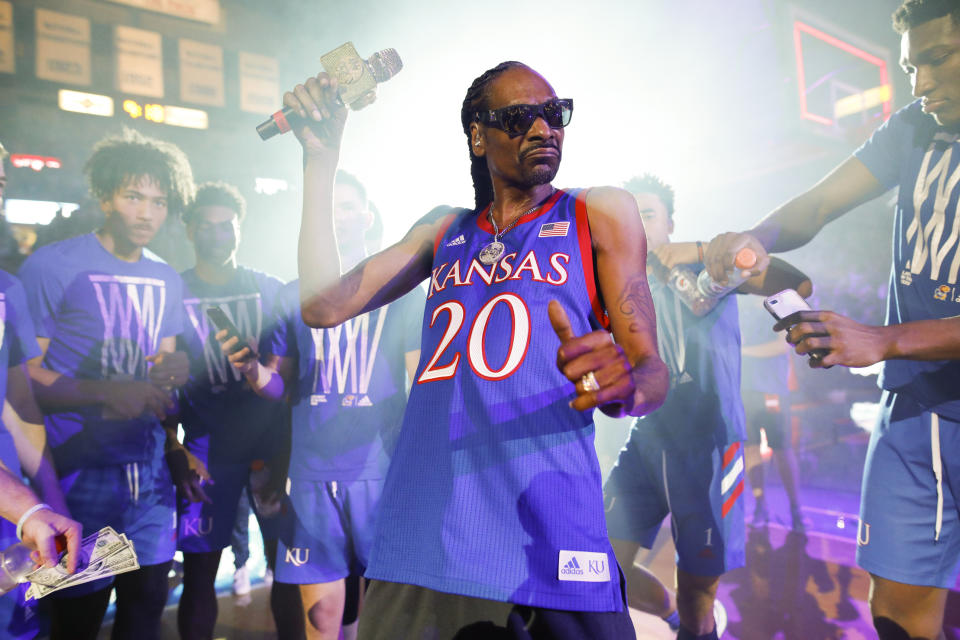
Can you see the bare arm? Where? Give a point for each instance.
(778, 275)
(853, 344)
(796, 223)
(327, 297)
(631, 377)
(621, 248)
(24, 421)
(124, 399)
(43, 526)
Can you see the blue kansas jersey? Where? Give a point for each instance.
(494, 491)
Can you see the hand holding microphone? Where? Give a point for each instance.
(348, 80)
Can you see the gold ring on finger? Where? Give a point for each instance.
(589, 382)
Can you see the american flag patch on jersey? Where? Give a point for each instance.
(554, 229)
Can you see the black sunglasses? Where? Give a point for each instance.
(517, 119)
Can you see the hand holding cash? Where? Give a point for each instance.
(102, 554)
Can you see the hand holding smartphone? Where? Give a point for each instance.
(786, 303)
(222, 322)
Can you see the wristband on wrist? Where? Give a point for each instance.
(263, 376)
(26, 514)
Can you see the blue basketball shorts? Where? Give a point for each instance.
(909, 515)
(700, 488)
(331, 532)
(203, 527)
(136, 499)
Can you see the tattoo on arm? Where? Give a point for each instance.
(636, 304)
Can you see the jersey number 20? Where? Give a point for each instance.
(476, 356)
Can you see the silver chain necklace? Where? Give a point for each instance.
(492, 252)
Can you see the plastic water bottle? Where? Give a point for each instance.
(746, 258)
(16, 564)
(266, 502)
(683, 281)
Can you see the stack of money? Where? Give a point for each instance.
(102, 554)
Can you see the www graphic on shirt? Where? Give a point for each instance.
(936, 185)
(245, 311)
(344, 358)
(132, 311)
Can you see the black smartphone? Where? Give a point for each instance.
(784, 304)
(221, 322)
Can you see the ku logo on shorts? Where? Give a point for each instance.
(297, 557)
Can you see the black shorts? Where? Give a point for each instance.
(771, 412)
(392, 610)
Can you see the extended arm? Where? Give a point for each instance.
(853, 344)
(328, 297)
(796, 223)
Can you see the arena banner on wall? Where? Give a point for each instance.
(201, 73)
(259, 83)
(7, 59)
(63, 47)
(200, 10)
(139, 56)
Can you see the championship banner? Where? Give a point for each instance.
(139, 56)
(7, 59)
(63, 47)
(201, 73)
(200, 10)
(259, 83)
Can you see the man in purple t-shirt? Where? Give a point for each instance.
(348, 387)
(107, 313)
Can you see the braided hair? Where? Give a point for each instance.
(476, 100)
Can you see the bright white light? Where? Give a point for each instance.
(92, 104)
(865, 414)
(872, 370)
(270, 186)
(184, 117)
(36, 211)
(645, 100)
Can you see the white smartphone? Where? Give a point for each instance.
(786, 303)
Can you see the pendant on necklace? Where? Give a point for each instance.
(492, 252)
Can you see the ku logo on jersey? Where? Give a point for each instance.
(344, 358)
(132, 310)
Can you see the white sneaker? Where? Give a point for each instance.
(241, 581)
(268, 578)
(720, 617)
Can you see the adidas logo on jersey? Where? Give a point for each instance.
(572, 568)
(365, 402)
(583, 566)
(457, 241)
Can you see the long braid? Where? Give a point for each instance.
(476, 100)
